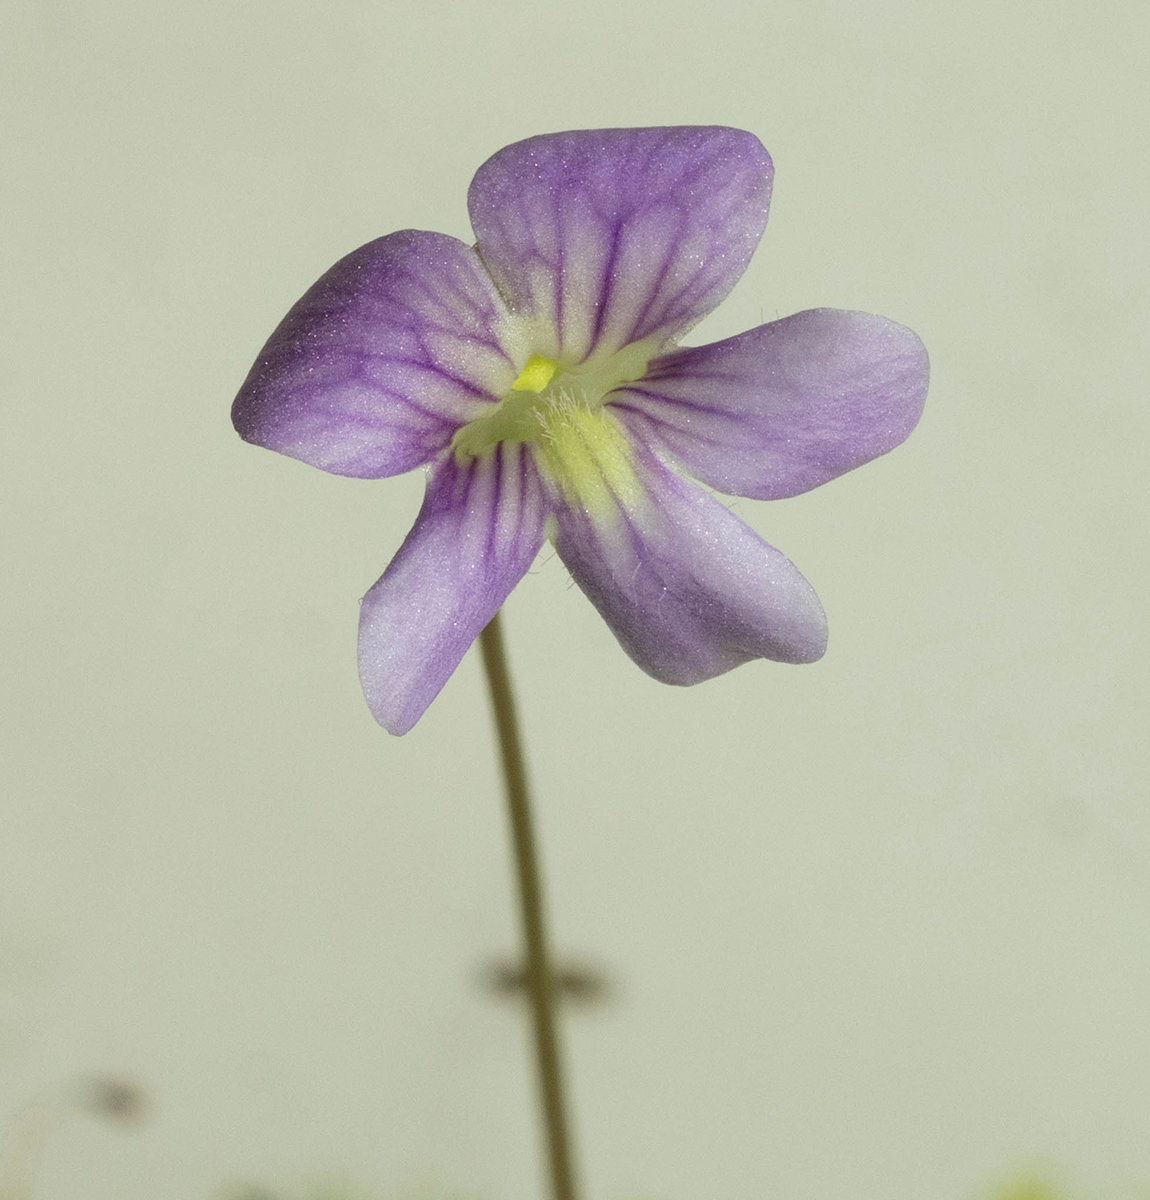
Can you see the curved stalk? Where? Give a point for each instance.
(540, 976)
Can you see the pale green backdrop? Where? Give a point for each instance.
(880, 927)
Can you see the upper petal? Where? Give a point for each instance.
(686, 587)
(374, 369)
(480, 527)
(605, 237)
(784, 407)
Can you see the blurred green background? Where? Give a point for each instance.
(878, 927)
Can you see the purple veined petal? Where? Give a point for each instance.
(374, 369)
(606, 237)
(782, 408)
(688, 589)
(481, 525)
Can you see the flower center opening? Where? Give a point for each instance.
(578, 444)
(542, 392)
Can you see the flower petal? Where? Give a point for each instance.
(606, 237)
(784, 407)
(686, 587)
(481, 525)
(379, 363)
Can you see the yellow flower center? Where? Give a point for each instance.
(536, 375)
(578, 443)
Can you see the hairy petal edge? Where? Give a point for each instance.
(382, 359)
(785, 407)
(480, 527)
(602, 238)
(688, 589)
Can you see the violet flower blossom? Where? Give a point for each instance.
(534, 375)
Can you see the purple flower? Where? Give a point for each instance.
(535, 376)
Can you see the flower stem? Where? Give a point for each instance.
(539, 974)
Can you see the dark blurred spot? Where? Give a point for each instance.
(117, 1099)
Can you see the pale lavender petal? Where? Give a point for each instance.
(379, 363)
(605, 237)
(480, 527)
(784, 407)
(686, 587)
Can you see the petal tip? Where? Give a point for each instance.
(814, 648)
(394, 706)
(802, 639)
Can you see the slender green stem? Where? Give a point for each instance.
(539, 973)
